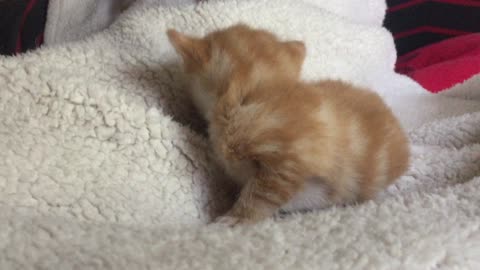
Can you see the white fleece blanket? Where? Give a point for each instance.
(102, 167)
(71, 20)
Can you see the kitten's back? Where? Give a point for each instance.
(329, 130)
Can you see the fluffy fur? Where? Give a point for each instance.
(290, 144)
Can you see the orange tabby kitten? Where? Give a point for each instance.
(290, 144)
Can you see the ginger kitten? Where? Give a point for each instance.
(290, 144)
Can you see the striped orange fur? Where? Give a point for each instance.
(290, 144)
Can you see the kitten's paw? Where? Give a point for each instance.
(230, 221)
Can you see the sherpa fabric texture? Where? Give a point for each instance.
(103, 167)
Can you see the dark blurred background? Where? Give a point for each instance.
(21, 25)
(416, 23)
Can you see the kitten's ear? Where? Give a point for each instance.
(194, 51)
(297, 48)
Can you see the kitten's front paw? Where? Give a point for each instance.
(230, 221)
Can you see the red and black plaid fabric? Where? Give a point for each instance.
(22, 23)
(416, 23)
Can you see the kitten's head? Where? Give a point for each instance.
(237, 53)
